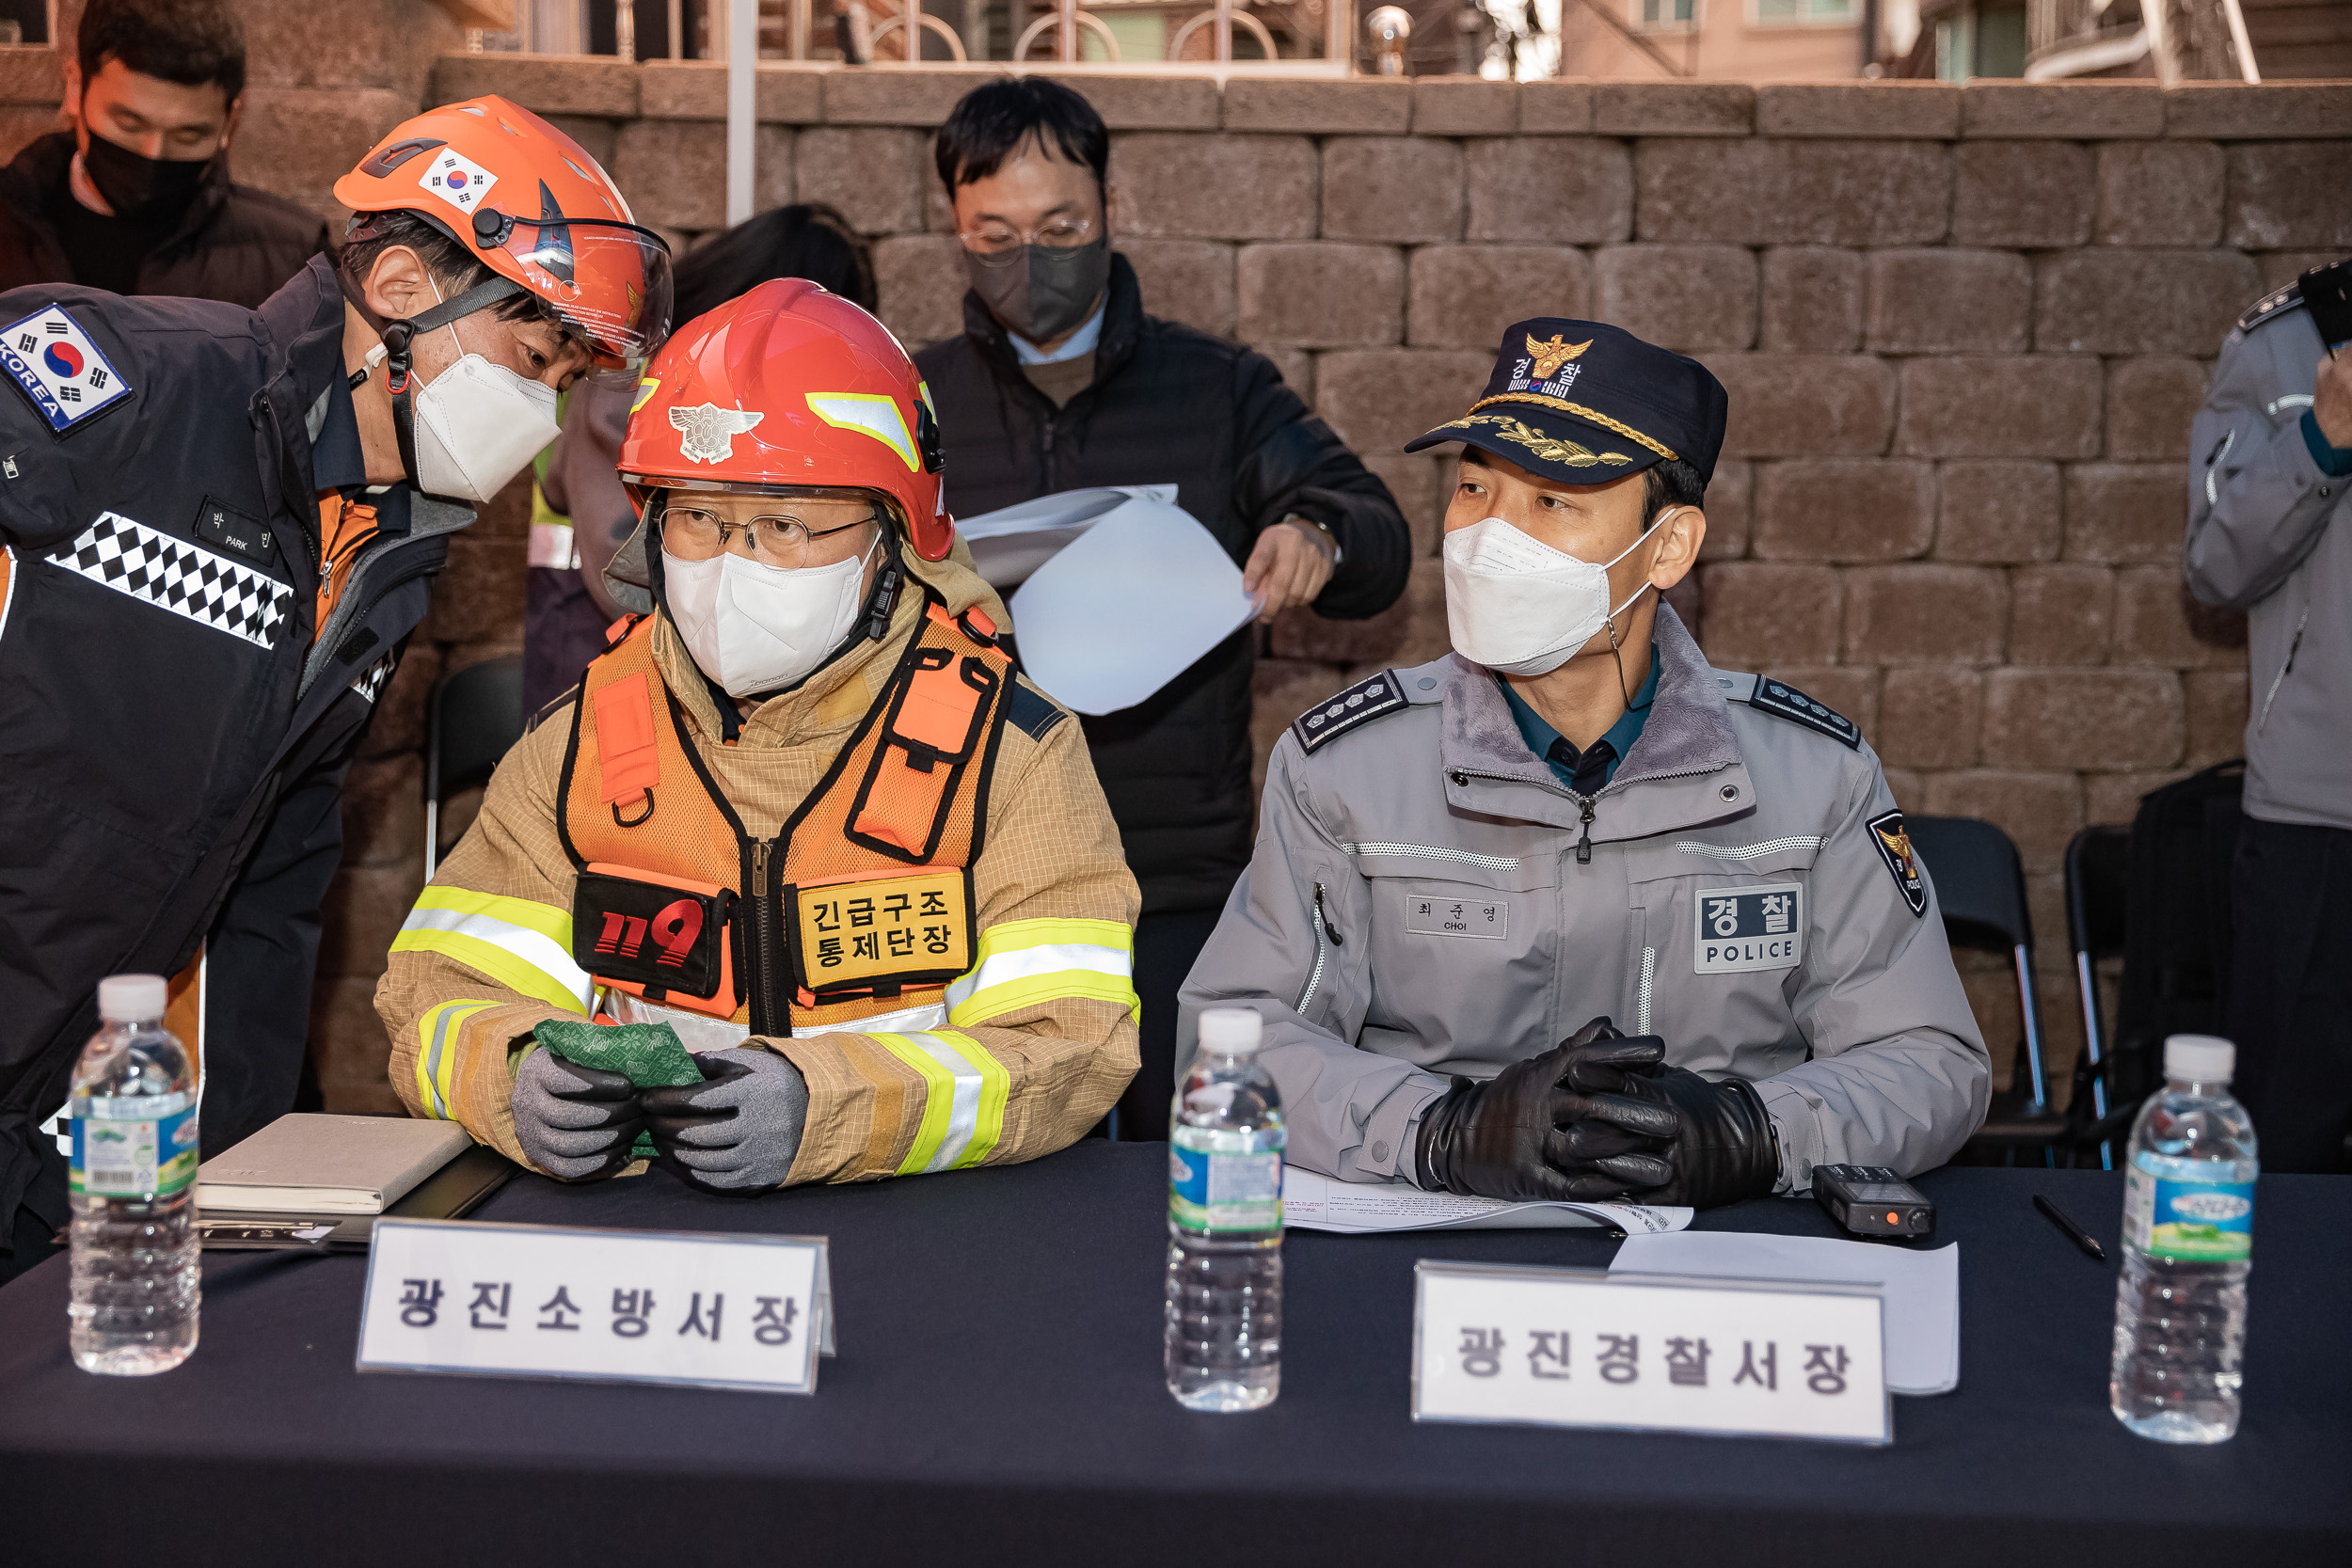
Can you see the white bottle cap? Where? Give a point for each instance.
(132, 998)
(1230, 1030)
(2199, 1059)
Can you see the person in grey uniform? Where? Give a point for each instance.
(2269, 531)
(1568, 913)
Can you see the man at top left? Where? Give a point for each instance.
(218, 528)
(135, 197)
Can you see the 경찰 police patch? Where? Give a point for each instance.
(1366, 700)
(1744, 928)
(1894, 847)
(55, 364)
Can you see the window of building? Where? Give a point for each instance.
(1804, 14)
(1665, 15)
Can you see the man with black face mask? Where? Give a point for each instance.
(135, 199)
(1061, 381)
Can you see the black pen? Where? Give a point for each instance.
(2081, 1237)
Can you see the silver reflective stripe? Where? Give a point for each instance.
(1023, 963)
(541, 952)
(963, 1113)
(1314, 976)
(1431, 852)
(2213, 497)
(931, 1015)
(445, 1029)
(2293, 400)
(1649, 972)
(1751, 851)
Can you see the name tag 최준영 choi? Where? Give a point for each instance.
(1581, 1347)
(715, 1311)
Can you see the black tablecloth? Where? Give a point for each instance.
(998, 1399)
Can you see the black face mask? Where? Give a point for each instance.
(1046, 291)
(144, 190)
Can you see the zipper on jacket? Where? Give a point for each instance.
(761, 981)
(1325, 938)
(1584, 845)
(2276, 681)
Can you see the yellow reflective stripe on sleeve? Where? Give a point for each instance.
(522, 945)
(1025, 962)
(964, 1094)
(438, 1033)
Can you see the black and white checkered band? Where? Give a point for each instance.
(187, 580)
(371, 682)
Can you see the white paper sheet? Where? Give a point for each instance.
(1315, 1202)
(1012, 542)
(1922, 1288)
(1127, 606)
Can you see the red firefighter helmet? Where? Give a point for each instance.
(789, 387)
(531, 205)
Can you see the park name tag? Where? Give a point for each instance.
(1581, 1347)
(706, 1309)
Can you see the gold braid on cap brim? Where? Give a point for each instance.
(1591, 416)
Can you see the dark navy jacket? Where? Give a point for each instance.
(174, 730)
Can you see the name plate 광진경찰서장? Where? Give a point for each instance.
(1577, 1347)
(714, 1310)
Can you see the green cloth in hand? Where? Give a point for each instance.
(647, 1054)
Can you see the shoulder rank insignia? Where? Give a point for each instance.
(1893, 842)
(1364, 701)
(1776, 696)
(54, 364)
(2270, 305)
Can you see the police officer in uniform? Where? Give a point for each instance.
(2270, 533)
(1568, 913)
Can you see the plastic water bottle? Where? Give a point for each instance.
(2188, 1236)
(134, 1171)
(1225, 1223)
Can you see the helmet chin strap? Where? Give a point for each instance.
(395, 352)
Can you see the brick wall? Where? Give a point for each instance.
(1964, 330)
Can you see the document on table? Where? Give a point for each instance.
(1921, 1289)
(1314, 1202)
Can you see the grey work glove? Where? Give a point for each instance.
(575, 1122)
(735, 1132)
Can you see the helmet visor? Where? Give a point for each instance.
(610, 282)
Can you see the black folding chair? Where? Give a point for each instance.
(475, 716)
(1980, 883)
(2098, 863)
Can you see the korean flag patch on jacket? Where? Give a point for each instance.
(52, 361)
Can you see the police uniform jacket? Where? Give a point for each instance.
(1042, 1026)
(174, 728)
(2260, 509)
(1423, 902)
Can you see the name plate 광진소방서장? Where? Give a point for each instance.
(1581, 1347)
(712, 1311)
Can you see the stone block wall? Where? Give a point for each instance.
(1963, 331)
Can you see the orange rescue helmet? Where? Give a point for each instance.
(791, 387)
(529, 203)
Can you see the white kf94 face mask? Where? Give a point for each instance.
(1520, 608)
(476, 425)
(754, 629)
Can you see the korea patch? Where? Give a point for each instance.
(1894, 847)
(457, 179)
(53, 362)
(1744, 928)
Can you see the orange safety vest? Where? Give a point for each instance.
(862, 897)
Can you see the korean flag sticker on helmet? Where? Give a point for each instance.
(53, 362)
(457, 179)
(1746, 929)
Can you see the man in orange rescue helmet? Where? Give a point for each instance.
(218, 528)
(803, 817)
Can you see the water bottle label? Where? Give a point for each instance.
(134, 1146)
(2189, 1222)
(1208, 1191)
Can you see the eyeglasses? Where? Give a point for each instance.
(999, 245)
(698, 535)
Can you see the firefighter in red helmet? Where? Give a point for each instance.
(843, 880)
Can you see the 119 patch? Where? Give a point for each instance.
(1746, 929)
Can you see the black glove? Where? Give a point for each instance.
(575, 1122)
(1724, 1150)
(1552, 1127)
(737, 1132)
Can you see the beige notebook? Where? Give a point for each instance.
(307, 1163)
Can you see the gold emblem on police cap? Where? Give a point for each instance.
(1551, 356)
